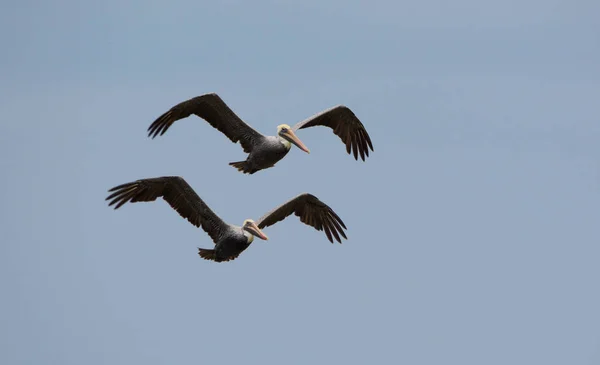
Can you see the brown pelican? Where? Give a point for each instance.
(230, 241)
(266, 151)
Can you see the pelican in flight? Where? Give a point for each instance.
(266, 151)
(230, 240)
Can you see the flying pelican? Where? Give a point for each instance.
(265, 151)
(230, 241)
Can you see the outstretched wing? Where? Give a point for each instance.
(345, 125)
(180, 196)
(311, 211)
(213, 109)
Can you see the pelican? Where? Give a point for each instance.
(230, 240)
(265, 151)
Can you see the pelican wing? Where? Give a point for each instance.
(311, 211)
(345, 125)
(213, 109)
(180, 196)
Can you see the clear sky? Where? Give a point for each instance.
(474, 228)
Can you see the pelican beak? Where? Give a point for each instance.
(253, 228)
(292, 137)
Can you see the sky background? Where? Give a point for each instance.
(474, 228)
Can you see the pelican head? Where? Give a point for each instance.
(285, 131)
(251, 227)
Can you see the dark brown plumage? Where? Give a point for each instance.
(311, 211)
(345, 125)
(178, 194)
(213, 109)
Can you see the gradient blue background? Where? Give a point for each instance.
(474, 228)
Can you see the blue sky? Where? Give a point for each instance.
(473, 228)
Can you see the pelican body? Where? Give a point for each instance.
(230, 240)
(268, 151)
(234, 241)
(265, 151)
